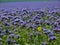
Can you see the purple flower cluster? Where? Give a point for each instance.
(50, 34)
(57, 26)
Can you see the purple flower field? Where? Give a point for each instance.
(30, 5)
(30, 23)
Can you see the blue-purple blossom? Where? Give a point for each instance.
(52, 38)
(44, 43)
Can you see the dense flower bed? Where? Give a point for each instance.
(30, 27)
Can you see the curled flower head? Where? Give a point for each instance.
(39, 29)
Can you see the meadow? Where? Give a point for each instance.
(30, 27)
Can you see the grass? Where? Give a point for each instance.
(25, 38)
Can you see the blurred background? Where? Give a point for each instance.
(32, 4)
(25, 0)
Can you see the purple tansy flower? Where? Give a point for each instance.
(17, 36)
(12, 22)
(52, 38)
(18, 11)
(21, 21)
(33, 19)
(9, 41)
(37, 21)
(11, 35)
(44, 43)
(13, 41)
(47, 32)
(0, 39)
(51, 22)
(17, 20)
(4, 17)
(58, 20)
(0, 31)
(55, 23)
(1, 15)
(28, 25)
(24, 9)
(37, 33)
(2, 34)
(22, 24)
(16, 44)
(16, 17)
(50, 11)
(58, 26)
(10, 17)
(44, 29)
(5, 23)
(57, 29)
(38, 16)
(51, 34)
(7, 31)
(33, 26)
(13, 11)
(46, 22)
(42, 10)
